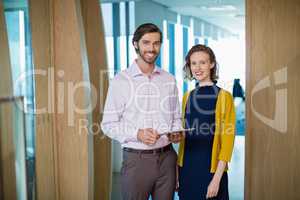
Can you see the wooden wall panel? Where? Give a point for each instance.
(7, 156)
(40, 19)
(94, 32)
(71, 61)
(63, 147)
(272, 149)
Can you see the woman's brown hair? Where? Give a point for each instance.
(212, 58)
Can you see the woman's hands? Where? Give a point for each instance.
(213, 189)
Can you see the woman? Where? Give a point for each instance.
(205, 152)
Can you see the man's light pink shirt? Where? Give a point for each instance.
(136, 101)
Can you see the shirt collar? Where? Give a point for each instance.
(136, 71)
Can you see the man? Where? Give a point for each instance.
(142, 103)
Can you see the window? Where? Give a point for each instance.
(19, 39)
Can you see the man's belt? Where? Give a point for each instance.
(149, 151)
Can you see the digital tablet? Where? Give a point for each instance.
(176, 131)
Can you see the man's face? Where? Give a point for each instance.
(148, 47)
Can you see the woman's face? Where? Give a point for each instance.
(200, 66)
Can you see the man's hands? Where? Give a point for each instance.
(176, 137)
(148, 136)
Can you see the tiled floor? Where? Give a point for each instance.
(236, 174)
(236, 170)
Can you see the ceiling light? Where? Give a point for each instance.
(219, 8)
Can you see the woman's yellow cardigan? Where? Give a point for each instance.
(224, 130)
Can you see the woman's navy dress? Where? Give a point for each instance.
(195, 176)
